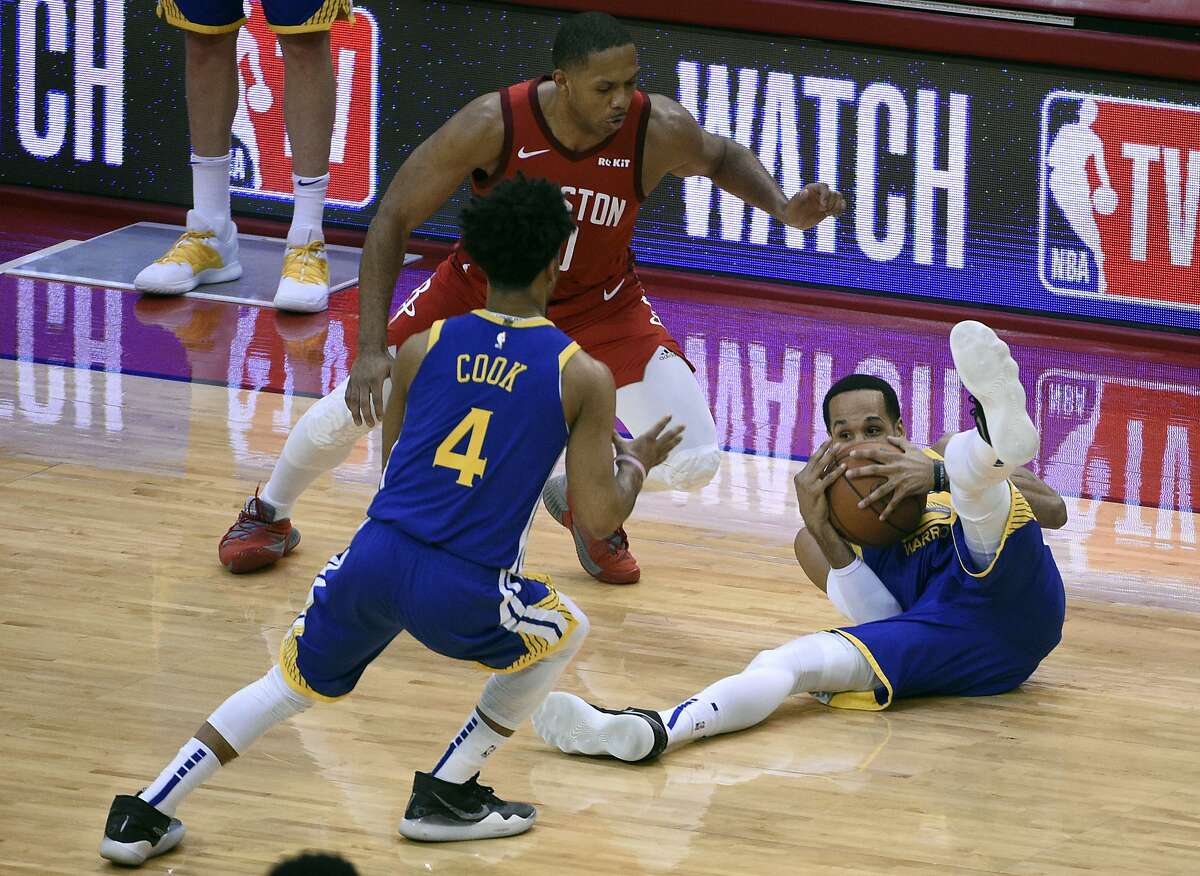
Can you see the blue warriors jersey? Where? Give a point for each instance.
(483, 427)
(962, 630)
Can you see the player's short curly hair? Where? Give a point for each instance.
(314, 864)
(583, 34)
(514, 231)
(851, 382)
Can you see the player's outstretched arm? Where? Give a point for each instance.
(472, 138)
(601, 500)
(676, 144)
(1045, 501)
(408, 359)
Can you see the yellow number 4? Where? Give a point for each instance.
(469, 465)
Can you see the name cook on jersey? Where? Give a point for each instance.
(493, 370)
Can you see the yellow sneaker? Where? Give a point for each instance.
(200, 255)
(304, 285)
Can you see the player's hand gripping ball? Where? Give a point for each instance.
(862, 526)
(1104, 200)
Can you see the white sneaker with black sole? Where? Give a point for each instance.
(136, 831)
(990, 375)
(575, 726)
(439, 811)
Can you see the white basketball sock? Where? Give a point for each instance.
(816, 662)
(474, 744)
(193, 765)
(980, 494)
(309, 210)
(210, 190)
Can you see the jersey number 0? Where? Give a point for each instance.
(469, 464)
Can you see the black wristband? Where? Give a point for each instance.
(940, 482)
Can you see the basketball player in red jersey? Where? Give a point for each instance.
(608, 145)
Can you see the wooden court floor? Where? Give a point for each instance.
(120, 633)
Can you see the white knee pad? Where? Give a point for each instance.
(685, 469)
(253, 710)
(819, 662)
(511, 699)
(328, 423)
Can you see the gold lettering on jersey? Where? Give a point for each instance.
(934, 533)
(492, 370)
(595, 208)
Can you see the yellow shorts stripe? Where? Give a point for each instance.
(1019, 514)
(862, 700)
(170, 12)
(291, 669)
(536, 647)
(322, 19)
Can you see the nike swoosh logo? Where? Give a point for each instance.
(477, 815)
(311, 182)
(609, 296)
(521, 153)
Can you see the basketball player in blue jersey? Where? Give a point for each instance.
(483, 406)
(969, 604)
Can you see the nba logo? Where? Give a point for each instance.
(1119, 192)
(262, 154)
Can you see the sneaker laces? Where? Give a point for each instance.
(306, 264)
(253, 515)
(618, 542)
(191, 248)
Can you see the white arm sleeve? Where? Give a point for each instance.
(857, 592)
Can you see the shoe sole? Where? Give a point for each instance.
(136, 854)
(253, 559)
(300, 305)
(989, 373)
(554, 497)
(492, 827)
(575, 727)
(212, 275)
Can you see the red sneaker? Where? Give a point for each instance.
(605, 559)
(257, 540)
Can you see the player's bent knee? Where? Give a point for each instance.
(692, 468)
(329, 423)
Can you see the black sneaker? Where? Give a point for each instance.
(578, 727)
(440, 811)
(136, 831)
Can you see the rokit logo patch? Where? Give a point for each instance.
(262, 154)
(1119, 193)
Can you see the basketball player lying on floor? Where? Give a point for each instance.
(968, 604)
(483, 405)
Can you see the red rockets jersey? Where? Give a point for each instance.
(602, 186)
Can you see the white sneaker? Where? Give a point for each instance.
(988, 372)
(577, 727)
(200, 255)
(304, 285)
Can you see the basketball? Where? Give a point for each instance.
(1105, 201)
(862, 526)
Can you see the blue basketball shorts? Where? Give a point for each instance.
(283, 16)
(969, 634)
(387, 582)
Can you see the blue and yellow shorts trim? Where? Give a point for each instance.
(283, 16)
(535, 631)
(862, 700)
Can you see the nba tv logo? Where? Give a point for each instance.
(1119, 194)
(262, 154)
